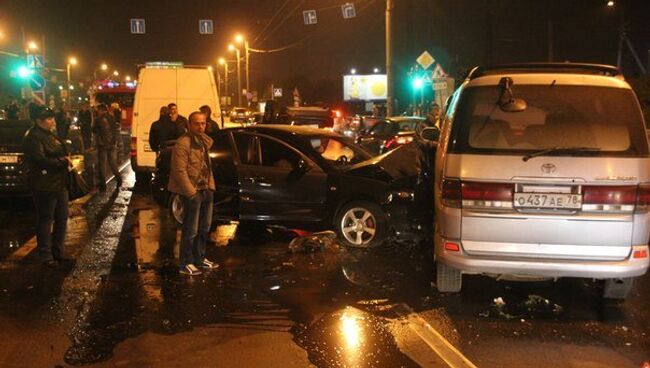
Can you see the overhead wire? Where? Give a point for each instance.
(277, 12)
(286, 17)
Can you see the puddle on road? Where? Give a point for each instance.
(350, 337)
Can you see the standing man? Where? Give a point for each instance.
(211, 126)
(179, 120)
(106, 141)
(47, 166)
(85, 120)
(191, 178)
(158, 128)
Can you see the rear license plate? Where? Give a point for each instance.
(548, 200)
(8, 159)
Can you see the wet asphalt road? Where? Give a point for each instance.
(123, 303)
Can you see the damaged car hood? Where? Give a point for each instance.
(396, 165)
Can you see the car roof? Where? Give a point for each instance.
(275, 129)
(401, 119)
(564, 79)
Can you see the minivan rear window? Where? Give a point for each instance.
(605, 119)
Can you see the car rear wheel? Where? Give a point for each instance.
(617, 288)
(176, 209)
(448, 279)
(361, 224)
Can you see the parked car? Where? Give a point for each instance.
(12, 178)
(309, 116)
(390, 133)
(307, 178)
(543, 170)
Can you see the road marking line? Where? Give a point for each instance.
(23, 251)
(445, 350)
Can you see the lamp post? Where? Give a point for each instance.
(232, 47)
(240, 39)
(223, 62)
(71, 61)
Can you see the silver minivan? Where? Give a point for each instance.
(543, 171)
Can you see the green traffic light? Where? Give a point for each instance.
(418, 83)
(25, 72)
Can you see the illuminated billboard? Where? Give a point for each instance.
(365, 87)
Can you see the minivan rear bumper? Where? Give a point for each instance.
(552, 268)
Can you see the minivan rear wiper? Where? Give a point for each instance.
(560, 149)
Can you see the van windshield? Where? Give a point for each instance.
(605, 121)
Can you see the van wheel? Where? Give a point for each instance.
(176, 208)
(448, 279)
(361, 224)
(617, 288)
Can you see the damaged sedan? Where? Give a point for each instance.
(308, 178)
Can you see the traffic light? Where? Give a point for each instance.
(24, 72)
(418, 83)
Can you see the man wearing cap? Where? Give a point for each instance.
(106, 139)
(47, 165)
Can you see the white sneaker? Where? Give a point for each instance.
(209, 264)
(190, 270)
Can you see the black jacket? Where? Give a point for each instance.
(45, 160)
(211, 128)
(105, 132)
(164, 130)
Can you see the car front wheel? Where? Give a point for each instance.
(361, 224)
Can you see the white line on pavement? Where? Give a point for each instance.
(443, 348)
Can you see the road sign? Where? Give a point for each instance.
(37, 82)
(438, 72)
(137, 26)
(277, 92)
(38, 97)
(35, 61)
(348, 11)
(205, 26)
(425, 60)
(309, 16)
(439, 84)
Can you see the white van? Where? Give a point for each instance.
(189, 88)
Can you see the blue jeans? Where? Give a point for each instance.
(51, 207)
(197, 218)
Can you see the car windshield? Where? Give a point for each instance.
(338, 152)
(607, 121)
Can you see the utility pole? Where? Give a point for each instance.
(390, 95)
(238, 76)
(247, 55)
(621, 39)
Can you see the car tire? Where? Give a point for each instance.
(448, 279)
(361, 224)
(617, 289)
(175, 207)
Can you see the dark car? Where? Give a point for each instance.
(390, 133)
(307, 178)
(309, 116)
(12, 180)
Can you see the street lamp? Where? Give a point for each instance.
(240, 39)
(116, 73)
(223, 62)
(610, 3)
(375, 70)
(127, 78)
(104, 67)
(71, 61)
(353, 71)
(232, 47)
(32, 46)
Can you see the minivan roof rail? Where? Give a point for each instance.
(569, 68)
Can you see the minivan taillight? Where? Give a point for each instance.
(134, 146)
(643, 198)
(487, 195)
(609, 198)
(451, 193)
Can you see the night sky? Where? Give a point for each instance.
(459, 33)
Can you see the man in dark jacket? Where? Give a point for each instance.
(47, 166)
(106, 141)
(85, 119)
(156, 128)
(211, 126)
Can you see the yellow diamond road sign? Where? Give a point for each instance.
(425, 60)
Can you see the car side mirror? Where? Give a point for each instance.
(431, 134)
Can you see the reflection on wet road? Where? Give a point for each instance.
(312, 303)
